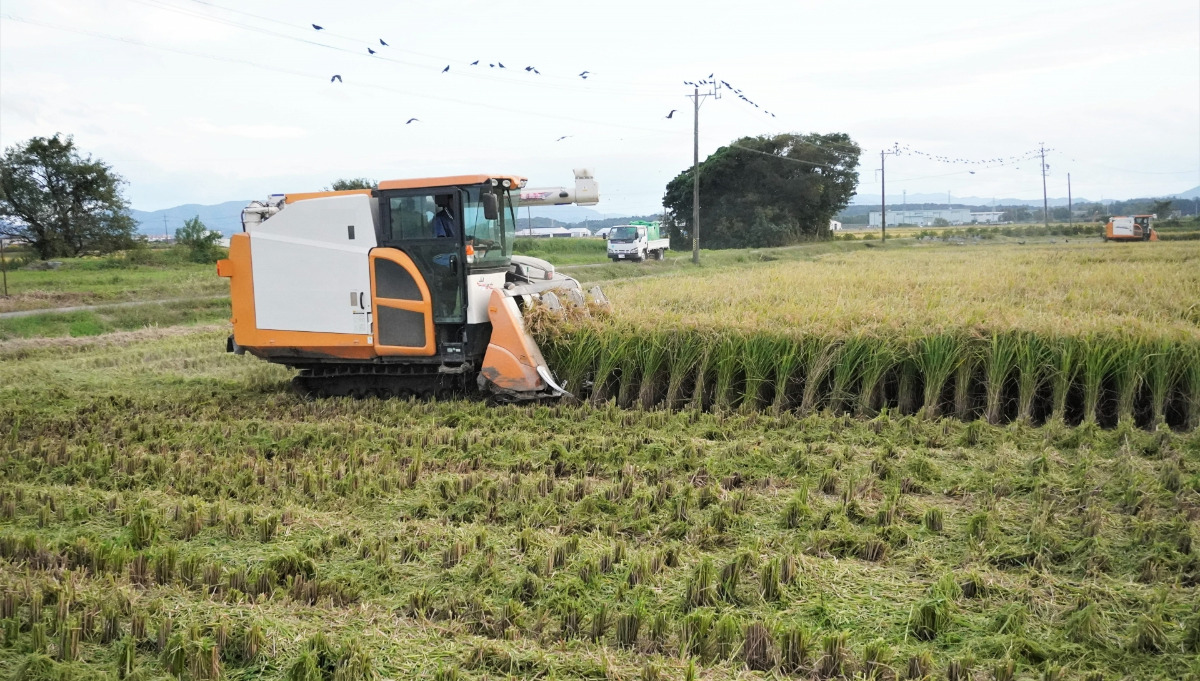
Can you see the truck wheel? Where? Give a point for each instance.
(660, 254)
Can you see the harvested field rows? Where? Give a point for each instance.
(169, 509)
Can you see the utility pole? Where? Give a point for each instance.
(1045, 203)
(166, 236)
(883, 194)
(1070, 208)
(696, 99)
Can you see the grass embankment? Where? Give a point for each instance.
(108, 319)
(1080, 332)
(96, 281)
(168, 509)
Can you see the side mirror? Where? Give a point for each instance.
(491, 206)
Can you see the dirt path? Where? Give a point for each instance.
(84, 308)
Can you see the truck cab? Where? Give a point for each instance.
(637, 241)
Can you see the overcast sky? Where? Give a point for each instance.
(202, 101)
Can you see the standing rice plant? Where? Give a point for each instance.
(788, 362)
(937, 357)
(1032, 357)
(1164, 364)
(1099, 359)
(614, 345)
(848, 371)
(964, 375)
(652, 356)
(1191, 387)
(575, 355)
(728, 359)
(684, 352)
(878, 359)
(759, 353)
(1129, 375)
(999, 362)
(821, 361)
(1066, 358)
(704, 370)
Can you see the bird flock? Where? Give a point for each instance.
(718, 83)
(901, 150)
(583, 75)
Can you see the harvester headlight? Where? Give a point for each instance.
(493, 182)
(507, 184)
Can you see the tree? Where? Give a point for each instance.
(201, 242)
(342, 184)
(62, 203)
(766, 191)
(1162, 208)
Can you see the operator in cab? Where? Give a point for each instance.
(443, 221)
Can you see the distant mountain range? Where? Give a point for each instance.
(222, 217)
(227, 217)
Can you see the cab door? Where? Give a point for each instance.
(402, 305)
(433, 243)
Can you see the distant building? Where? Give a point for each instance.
(544, 232)
(835, 226)
(922, 218)
(988, 217)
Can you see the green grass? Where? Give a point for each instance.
(107, 319)
(170, 509)
(95, 281)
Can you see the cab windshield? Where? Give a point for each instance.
(625, 233)
(491, 239)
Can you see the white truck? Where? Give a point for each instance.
(637, 241)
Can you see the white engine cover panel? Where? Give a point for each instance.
(479, 292)
(309, 275)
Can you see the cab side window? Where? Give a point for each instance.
(412, 217)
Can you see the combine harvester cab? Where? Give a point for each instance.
(410, 288)
(1131, 228)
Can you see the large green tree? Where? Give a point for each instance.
(61, 202)
(765, 191)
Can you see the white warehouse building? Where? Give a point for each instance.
(988, 217)
(922, 218)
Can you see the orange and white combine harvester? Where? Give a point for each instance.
(410, 288)
(1130, 228)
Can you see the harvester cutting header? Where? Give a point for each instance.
(410, 288)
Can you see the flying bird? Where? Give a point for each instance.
(411, 120)
(383, 43)
(475, 63)
(528, 68)
(972, 172)
(319, 28)
(335, 77)
(491, 66)
(584, 74)
(710, 75)
(537, 72)
(446, 69)
(370, 51)
(562, 138)
(501, 65)
(672, 113)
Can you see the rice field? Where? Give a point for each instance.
(171, 510)
(1078, 333)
